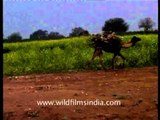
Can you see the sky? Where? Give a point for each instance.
(27, 16)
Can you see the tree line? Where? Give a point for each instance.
(117, 25)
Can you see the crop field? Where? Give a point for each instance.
(37, 70)
(71, 54)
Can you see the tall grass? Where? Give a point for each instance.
(72, 54)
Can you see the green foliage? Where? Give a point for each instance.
(14, 37)
(39, 34)
(146, 23)
(72, 54)
(55, 35)
(78, 31)
(115, 25)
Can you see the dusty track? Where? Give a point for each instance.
(136, 88)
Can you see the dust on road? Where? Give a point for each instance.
(136, 88)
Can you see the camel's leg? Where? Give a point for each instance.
(122, 58)
(96, 53)
(101, 60)
(113, 60)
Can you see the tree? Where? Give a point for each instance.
(146, 23)
(14, 37)
(78, 31)
(85, 33)
(55, 35)
(39, 35)
(115, 25)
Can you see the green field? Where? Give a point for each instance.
(72, 54)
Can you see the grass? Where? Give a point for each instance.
(71, 54)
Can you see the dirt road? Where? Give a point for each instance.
(136, 88)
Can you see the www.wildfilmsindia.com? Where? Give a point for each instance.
(72, 102)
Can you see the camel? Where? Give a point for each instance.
(114, 46)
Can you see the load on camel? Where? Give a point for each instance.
(110, 42)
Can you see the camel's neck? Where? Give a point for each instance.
(128, 44)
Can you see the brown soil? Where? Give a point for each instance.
(136, 88)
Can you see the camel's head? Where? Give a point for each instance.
(135, 39)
